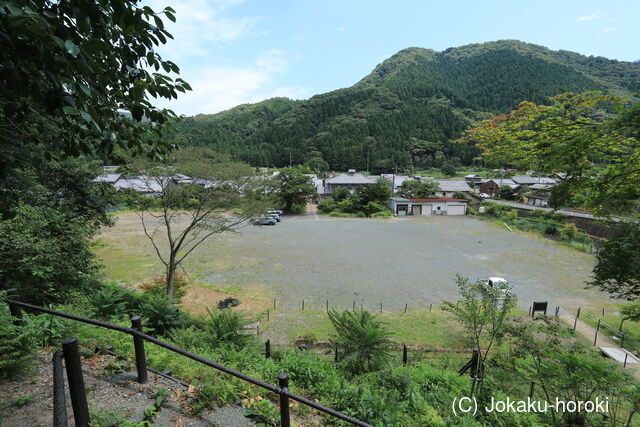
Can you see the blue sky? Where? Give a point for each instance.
(243, 51)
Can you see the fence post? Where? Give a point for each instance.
(430, 307)
(557, 310)
(404, 354)
(595, 338)
(283, 381)
(575, 322)
(327, 306)
(302, 304)
(380, 307)
(335, 354)
(76, 382)
(15, 311)
(267, 314)
(267, 349)
(257, 330)
(274, 303)
(138, 344)
(59, 400)
(625, 360)
(530, 311)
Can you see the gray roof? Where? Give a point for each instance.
(398, 199)
(453, 185)
(350, 178)
(108, 177)
(530, 180)
(503, 181)
(541, 186)
(142, 184)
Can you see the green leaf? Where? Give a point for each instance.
(72, 48)
(69, 110)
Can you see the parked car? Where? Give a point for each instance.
(484, 196)
(274, 211)
(265, 221)
(275, 216)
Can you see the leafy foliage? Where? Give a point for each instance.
(415, 189)
(227, 326)
(617, 269)
(161, 316)
(15, 345)
(293, 189)
(362, 339)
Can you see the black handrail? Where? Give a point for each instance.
(282, 391)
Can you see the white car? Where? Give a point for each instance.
(484, 196)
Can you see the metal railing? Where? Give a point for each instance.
(282, 389)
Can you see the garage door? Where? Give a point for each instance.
(416, 209)
(455, 210)
(426, 209)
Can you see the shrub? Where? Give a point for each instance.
(47, 329)
(363, 340)
(158, 287)
(161, 316)
(112, 300)
(227, 326)
(15, 345)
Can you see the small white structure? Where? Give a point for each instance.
(434, 206)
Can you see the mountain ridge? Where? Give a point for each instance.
(405, 112)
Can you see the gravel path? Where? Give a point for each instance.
(117, 393)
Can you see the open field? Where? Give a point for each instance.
(393, 261)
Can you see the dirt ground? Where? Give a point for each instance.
(394, 261)
(197, 299)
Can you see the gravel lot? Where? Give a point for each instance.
(412, 260)
(394, 261)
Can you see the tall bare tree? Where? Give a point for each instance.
(192, 199)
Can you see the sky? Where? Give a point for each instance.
(243, 51)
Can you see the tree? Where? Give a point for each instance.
(220, 197)
(362, 340)
(575, 135)
(77, 67)
(414, 189)
(617, 269)
(483, 312)
(506, 192)
(72, 72)
(292, 189)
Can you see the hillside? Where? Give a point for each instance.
(407, 109)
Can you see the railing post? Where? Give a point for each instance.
(267, 349)
(283, 382)
(405, 307)
(335, 354)
(76, 382)
(15, 311)
(575, 322)
(404, 354)
(138, 344)
(59, 400)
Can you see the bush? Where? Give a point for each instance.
(158, 287)
(161, 316)
(227, 326)
(112, 300)
(363, 340)
(16, 345)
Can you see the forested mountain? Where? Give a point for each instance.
(406, 111)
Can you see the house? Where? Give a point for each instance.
(432, 206)
(448, 187)
(109, 178)
(397, 180)
(473, 179)
(492, 186)
(350, 180)
(147, 185)
(539, 195)
(531, 180)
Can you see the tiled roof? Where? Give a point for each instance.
(453, 185)
(439, 199)
(350, 178)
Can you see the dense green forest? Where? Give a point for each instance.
(407, 110)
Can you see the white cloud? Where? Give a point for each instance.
(219, 88)
(609, 29)
(342, 29)
(592, 17)
(201, 24)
